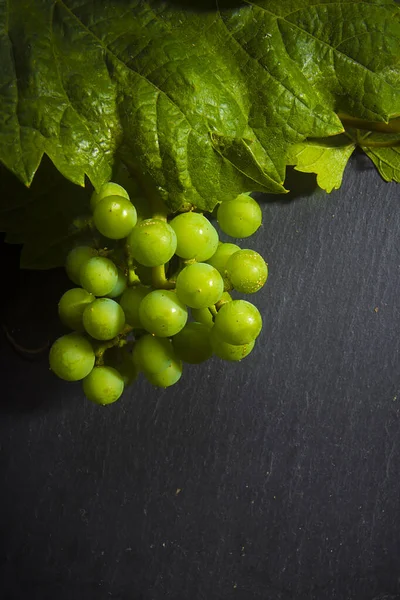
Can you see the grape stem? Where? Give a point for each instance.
(119, 340)
(213, 311)
(159, 278)
(133, 279)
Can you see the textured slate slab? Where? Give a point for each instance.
(277, 478)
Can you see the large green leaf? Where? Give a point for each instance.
(347, 50)
(205, 105)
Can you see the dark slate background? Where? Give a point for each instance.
(274, 479)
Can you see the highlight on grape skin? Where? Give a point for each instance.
(155, 294)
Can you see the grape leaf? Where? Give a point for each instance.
(386, 159)
(347, 50)
(327, 158)
(206, 105)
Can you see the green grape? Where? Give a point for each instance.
(229, 351)
(103, 319)
(121, 360)
(192, 344)
(247, 271)
(75, 259)
(240, 217)
(99, 275)
(168, 377)
(108, 189)
(238, 322)
(120, 286)
(221, 256)
(204, 316)
(71, 357)
(152, 242)
(71, 307)
(153, 354)
(130, 302)
(199, 285)
(115, 217)
(197, 238)
(162, 313)
(104, 385)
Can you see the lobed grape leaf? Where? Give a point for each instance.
(204, 104)
(385, 158)
(201, 106)
(327, 158)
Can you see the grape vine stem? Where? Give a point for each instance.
(159, 278)
(119, 340)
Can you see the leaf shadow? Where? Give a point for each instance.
(29, 324)
(361, 162)
(300, 185)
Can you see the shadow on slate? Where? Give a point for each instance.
(272, 479)
(29, 324)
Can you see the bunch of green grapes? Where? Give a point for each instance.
(157, 295)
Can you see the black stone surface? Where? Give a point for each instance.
(273, 479)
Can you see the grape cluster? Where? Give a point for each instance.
(156, 294)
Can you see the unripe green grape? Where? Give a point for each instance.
(152, 242)
(238, 322)
(108, 189)
(199, 285)
(240, 217)
(104, 385)
(196, 237)
(221, 256)
(247, 271)
(75, 259)
(204, 316)
(120, 286)
(71, 307)
(71, 357)
(162, 313)
(229, 351)
(168, 377)
(192, 344)
(153, 354)
(99, 275)
(115, 217)
(130, 302)
(121, 360)
(103, 319)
